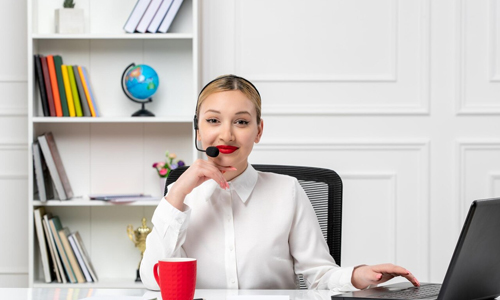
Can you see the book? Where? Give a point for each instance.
(55, 227)
(67, 89)
(41, 85)
(86, 91)
(54, 86)
(74, 92)
(159, 16)
(85, 255)
(79, 257)
(63, 234)
(60, 84)
(48, 86)
(172, 12)
(55, 165)
(90, 90)
(148, 16)
(42, 174)
(136, 15)
(56, 261)
(81, 93)
(42, 243)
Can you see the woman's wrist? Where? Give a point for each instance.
(175, 199)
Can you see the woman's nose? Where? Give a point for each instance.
(226, 133)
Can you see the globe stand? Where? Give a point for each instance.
(143, 112)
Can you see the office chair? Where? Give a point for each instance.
(324, 189)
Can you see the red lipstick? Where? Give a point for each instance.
(226, 149)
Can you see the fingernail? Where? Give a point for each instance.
(234, 169)
(223, 172)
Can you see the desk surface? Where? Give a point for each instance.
(133, 294)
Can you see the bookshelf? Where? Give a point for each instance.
(115, 152)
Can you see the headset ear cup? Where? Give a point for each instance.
(195, 122)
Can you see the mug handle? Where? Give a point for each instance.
(155, 272)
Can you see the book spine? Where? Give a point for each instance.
(60, 248)
(148, 16)
(41, 85)
(63, 234)
(91, 93)
(59, 267)
(135, 17)
(37, 162)
(79, 258)
(59, 165)
(74, 91)
(81, 92)
(60, 83)
(53, 252)
(48, 86)
(52, 166)
(169, 18)
(160, 15)
(67, 88)
(53, 83)
(86, 91)
(86, 257)
(38, 213)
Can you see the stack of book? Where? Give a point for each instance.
(152, 16)
(49, 170)
(65, 91)
(62, 252)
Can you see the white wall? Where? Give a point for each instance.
(400, 97)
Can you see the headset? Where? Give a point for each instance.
(213, 151)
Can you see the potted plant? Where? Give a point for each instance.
(69, 19)
(163, 168)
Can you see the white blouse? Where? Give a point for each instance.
(258, 234)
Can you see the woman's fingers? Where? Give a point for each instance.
(389, 271)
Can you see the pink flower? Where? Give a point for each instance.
(154, 165)
(163, 172)
(160, 164)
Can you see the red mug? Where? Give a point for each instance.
(176, 277)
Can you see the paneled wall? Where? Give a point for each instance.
(401, 98)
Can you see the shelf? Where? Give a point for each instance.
(115, 283)
(85, 202)
(115, 36)
(176, 119)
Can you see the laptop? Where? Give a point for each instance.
(474, 270)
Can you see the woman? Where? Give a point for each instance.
(247, 229)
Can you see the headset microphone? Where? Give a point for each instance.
(211, 151)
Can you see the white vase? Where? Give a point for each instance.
(69, 20)
(163, 181)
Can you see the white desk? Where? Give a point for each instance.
(123, 294)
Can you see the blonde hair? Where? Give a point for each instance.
(231, 83)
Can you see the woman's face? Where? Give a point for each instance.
(228, 121)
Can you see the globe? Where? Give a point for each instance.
(140, 83)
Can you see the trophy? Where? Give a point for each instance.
(138, 236)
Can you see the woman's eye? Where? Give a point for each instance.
(213, 121)
(242, 122)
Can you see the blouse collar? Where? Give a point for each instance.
(243, 185)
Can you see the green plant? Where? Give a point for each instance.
(68, 4)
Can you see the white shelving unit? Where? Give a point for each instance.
(115, 152)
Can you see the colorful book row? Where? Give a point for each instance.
(65, 91)
(63, 253)
(152, 16)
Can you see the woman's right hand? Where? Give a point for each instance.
(199, 172)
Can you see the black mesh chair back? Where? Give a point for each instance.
(324, 189)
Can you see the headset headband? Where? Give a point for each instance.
(228, 76)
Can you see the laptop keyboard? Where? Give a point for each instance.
(422, 292)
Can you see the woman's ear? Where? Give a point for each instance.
(259, 133)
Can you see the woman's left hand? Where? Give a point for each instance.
(364, 275)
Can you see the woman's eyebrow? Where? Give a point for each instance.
(212, 110)
(243, 112)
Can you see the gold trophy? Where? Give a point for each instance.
(138, 236)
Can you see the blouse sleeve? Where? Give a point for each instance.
(310, 250)
(165, 240)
